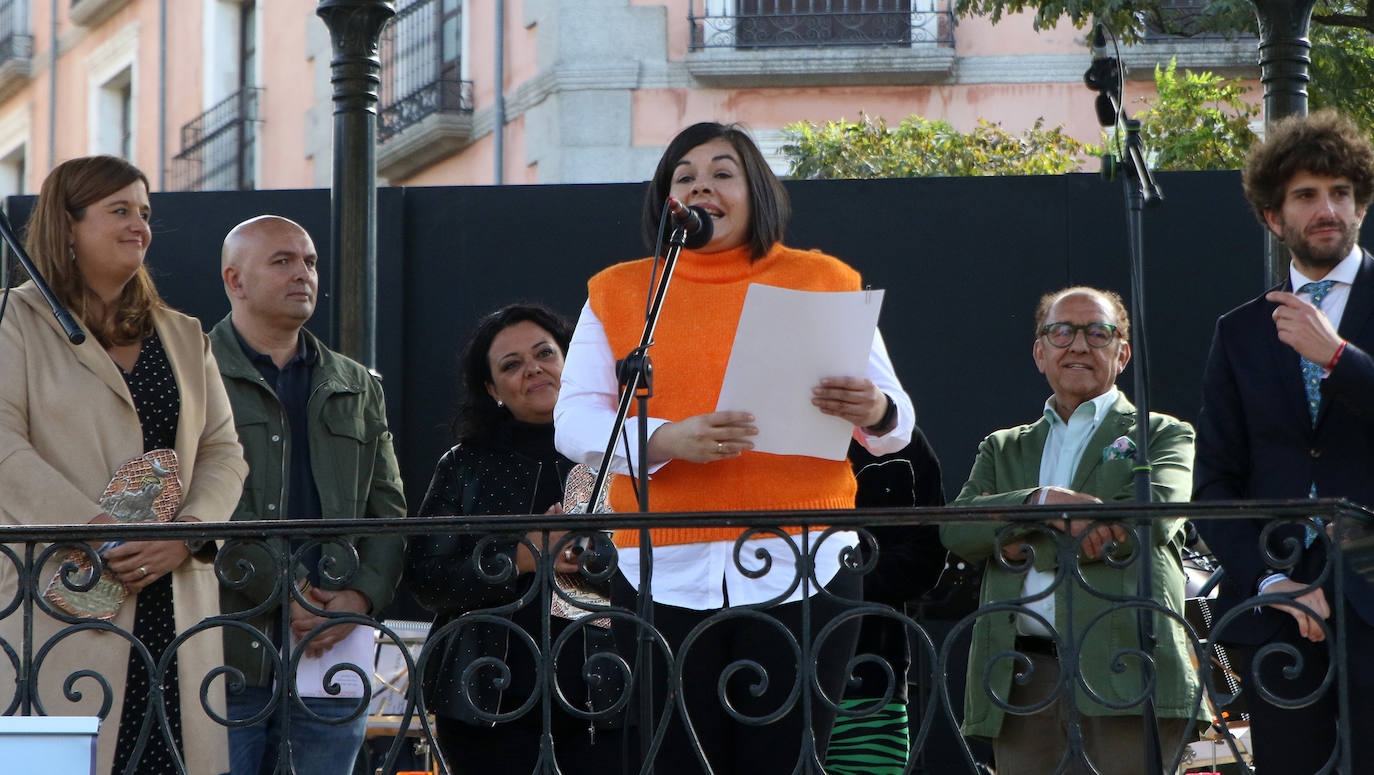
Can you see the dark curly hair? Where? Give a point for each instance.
(1324, 143)
(1113, 299)
(769, 206)
(478, 415)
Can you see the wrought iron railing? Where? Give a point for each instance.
(31, 556)
(750, 24)
(15, 41)
(219, 147)
(420, 70)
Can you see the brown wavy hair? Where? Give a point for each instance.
(68, 190)
(1325, 143)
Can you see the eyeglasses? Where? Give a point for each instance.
(1098, 335)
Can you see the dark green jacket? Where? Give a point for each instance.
(355, 472)
(1005, 472)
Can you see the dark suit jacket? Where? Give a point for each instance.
(1256, 440)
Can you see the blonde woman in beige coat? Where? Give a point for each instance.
(70, 415)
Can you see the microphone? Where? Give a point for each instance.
(1099, 42)
(694, 220)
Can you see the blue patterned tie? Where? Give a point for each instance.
(1312, 372)
(1312, 381)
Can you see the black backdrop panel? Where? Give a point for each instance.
(963, 262)
(474, 249)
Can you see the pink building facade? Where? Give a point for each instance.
(219, 94)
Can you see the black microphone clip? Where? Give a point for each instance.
(694, 222)
(1104, 77)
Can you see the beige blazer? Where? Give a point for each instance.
(67, 422)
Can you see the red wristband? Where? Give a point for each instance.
(1337, 357)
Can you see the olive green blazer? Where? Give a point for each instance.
(1007, 469)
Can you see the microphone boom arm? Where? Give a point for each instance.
(75, 334)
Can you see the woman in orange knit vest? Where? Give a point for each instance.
(703, 460)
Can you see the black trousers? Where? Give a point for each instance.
(1300, 741)
(514, 747)
(768, 639)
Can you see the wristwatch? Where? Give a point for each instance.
(887, 422)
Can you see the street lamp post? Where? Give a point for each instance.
(1285, 58)
(355, 28)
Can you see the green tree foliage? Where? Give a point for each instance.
(918, 147)
(1342, 47)
(1196, 121)
(1343, 73)
(1128, 18)
(1131, 18)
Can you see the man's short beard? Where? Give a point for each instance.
(1320, 259)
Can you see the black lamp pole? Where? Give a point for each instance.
(1285, 56)
(355, 28)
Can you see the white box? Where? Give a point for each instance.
(64, 744)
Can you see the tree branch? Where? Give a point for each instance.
(1365, 22)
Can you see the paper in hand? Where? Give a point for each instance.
(786, 341)
(356, 648)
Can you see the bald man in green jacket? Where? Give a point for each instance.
(1079, 451)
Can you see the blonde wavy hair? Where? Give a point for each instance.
(69, 189)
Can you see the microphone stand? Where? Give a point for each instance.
(64, 317)
(635, 373)
(1141, 191)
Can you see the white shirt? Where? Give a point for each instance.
(1064, 448)
(1333, 304)
(699, 576)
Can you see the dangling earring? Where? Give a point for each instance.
(71, 254)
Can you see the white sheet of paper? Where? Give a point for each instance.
(357, 648)
(785, 343)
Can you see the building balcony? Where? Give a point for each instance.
(219, 147)
(16, 46)
(426, 107)
(51, 567)
(820, 42)
(429, 124)
(90, 13)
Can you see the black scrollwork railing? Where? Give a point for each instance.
(420, 68)
(749, 24)
(15, 41)
(50, 655)
(219, 147)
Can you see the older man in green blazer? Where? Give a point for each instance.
(1079, 451)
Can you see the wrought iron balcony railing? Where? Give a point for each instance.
(758, 24)
(16, 44)
(420, 69)
(219, 147)
(271, 553)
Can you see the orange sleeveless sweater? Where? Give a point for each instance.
(691, 349)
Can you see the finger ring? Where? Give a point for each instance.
(720, 447)
(142, 571)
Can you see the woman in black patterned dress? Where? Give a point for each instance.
(505, 463)
(70, 415)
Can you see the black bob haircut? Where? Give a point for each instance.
(769, 206)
